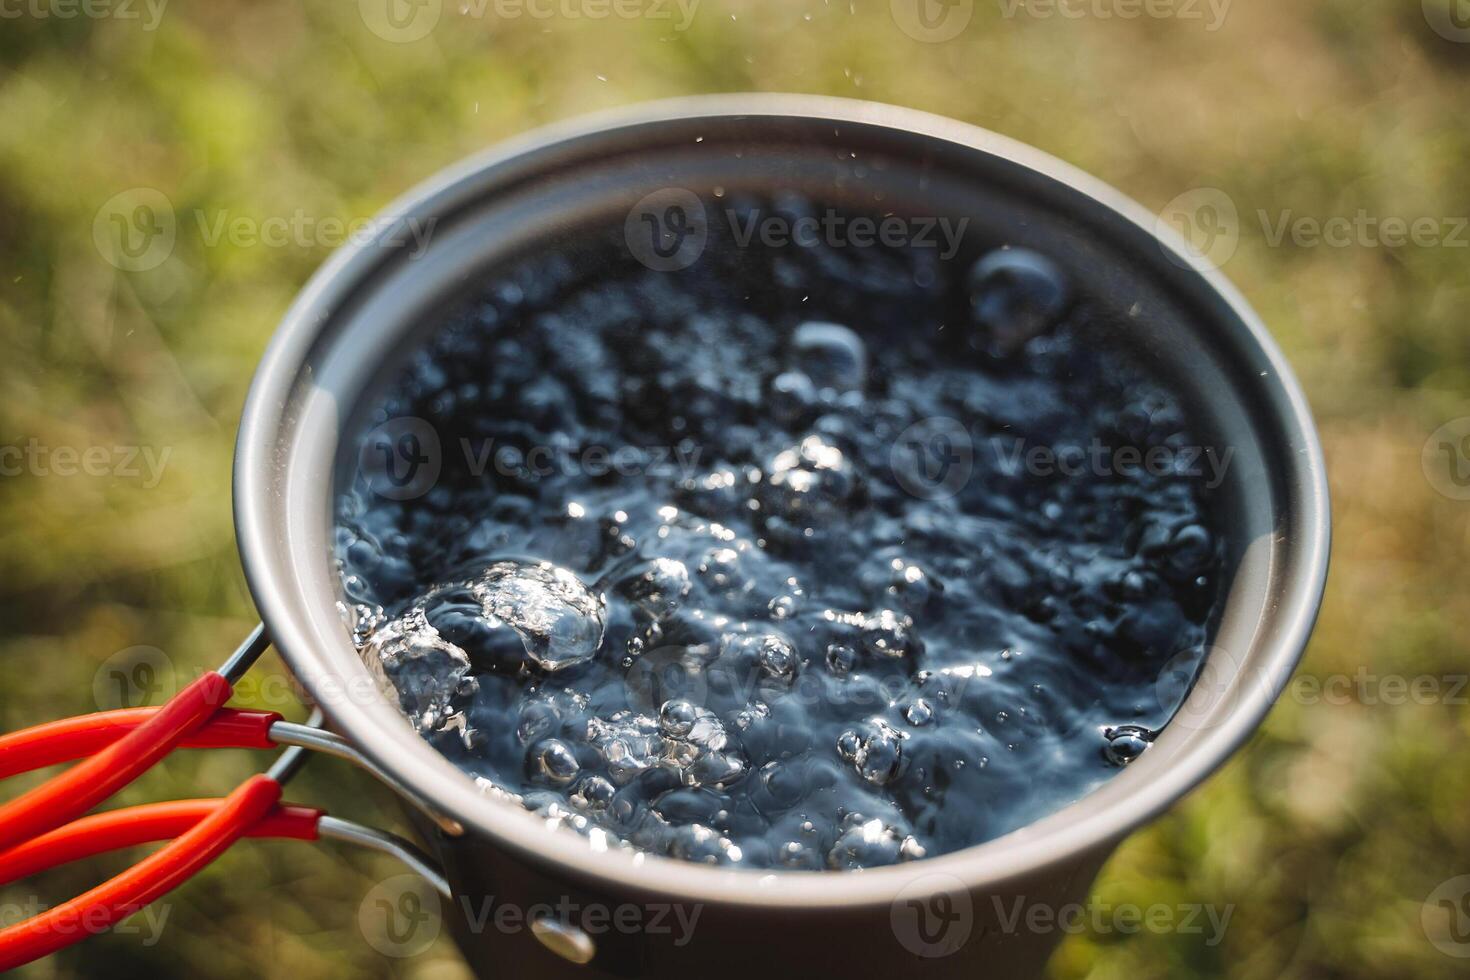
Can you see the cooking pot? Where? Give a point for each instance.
(949, 915)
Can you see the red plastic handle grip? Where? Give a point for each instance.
(131, 826)
(84, 735)
(154, 876)
(86, 784)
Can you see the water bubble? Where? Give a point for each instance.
(809, 484)
(537, 721)
(593, 793)
(799, 857)
(1125, 743)
(792, 396)
(919, 712)
(766, 659)
(911, 586)
(629, 744)
(875, 751)
(869, 844)
(778, 658)
(752, 715)
(429, 673)
(782, 607)
(559, 619)
(782, 784)
(683, 720)
(887, 634)
(703, 845)
(1191, 550)
(1015, 295)
(714, 769)
(660, 587)
(841, 659)
(831, 355)
(458, 616)
(721, 568)
(552, 761)
(694, 743)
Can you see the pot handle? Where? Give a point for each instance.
(38, 830)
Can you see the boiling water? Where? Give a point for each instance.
(808, 557)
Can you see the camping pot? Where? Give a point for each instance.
(590, 912)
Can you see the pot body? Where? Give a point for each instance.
(951, 915)
(944, 929)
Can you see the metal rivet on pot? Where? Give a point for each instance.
(568, 942)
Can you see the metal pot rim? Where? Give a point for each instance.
(271, 552)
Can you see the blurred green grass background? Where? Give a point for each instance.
(1326, 834)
